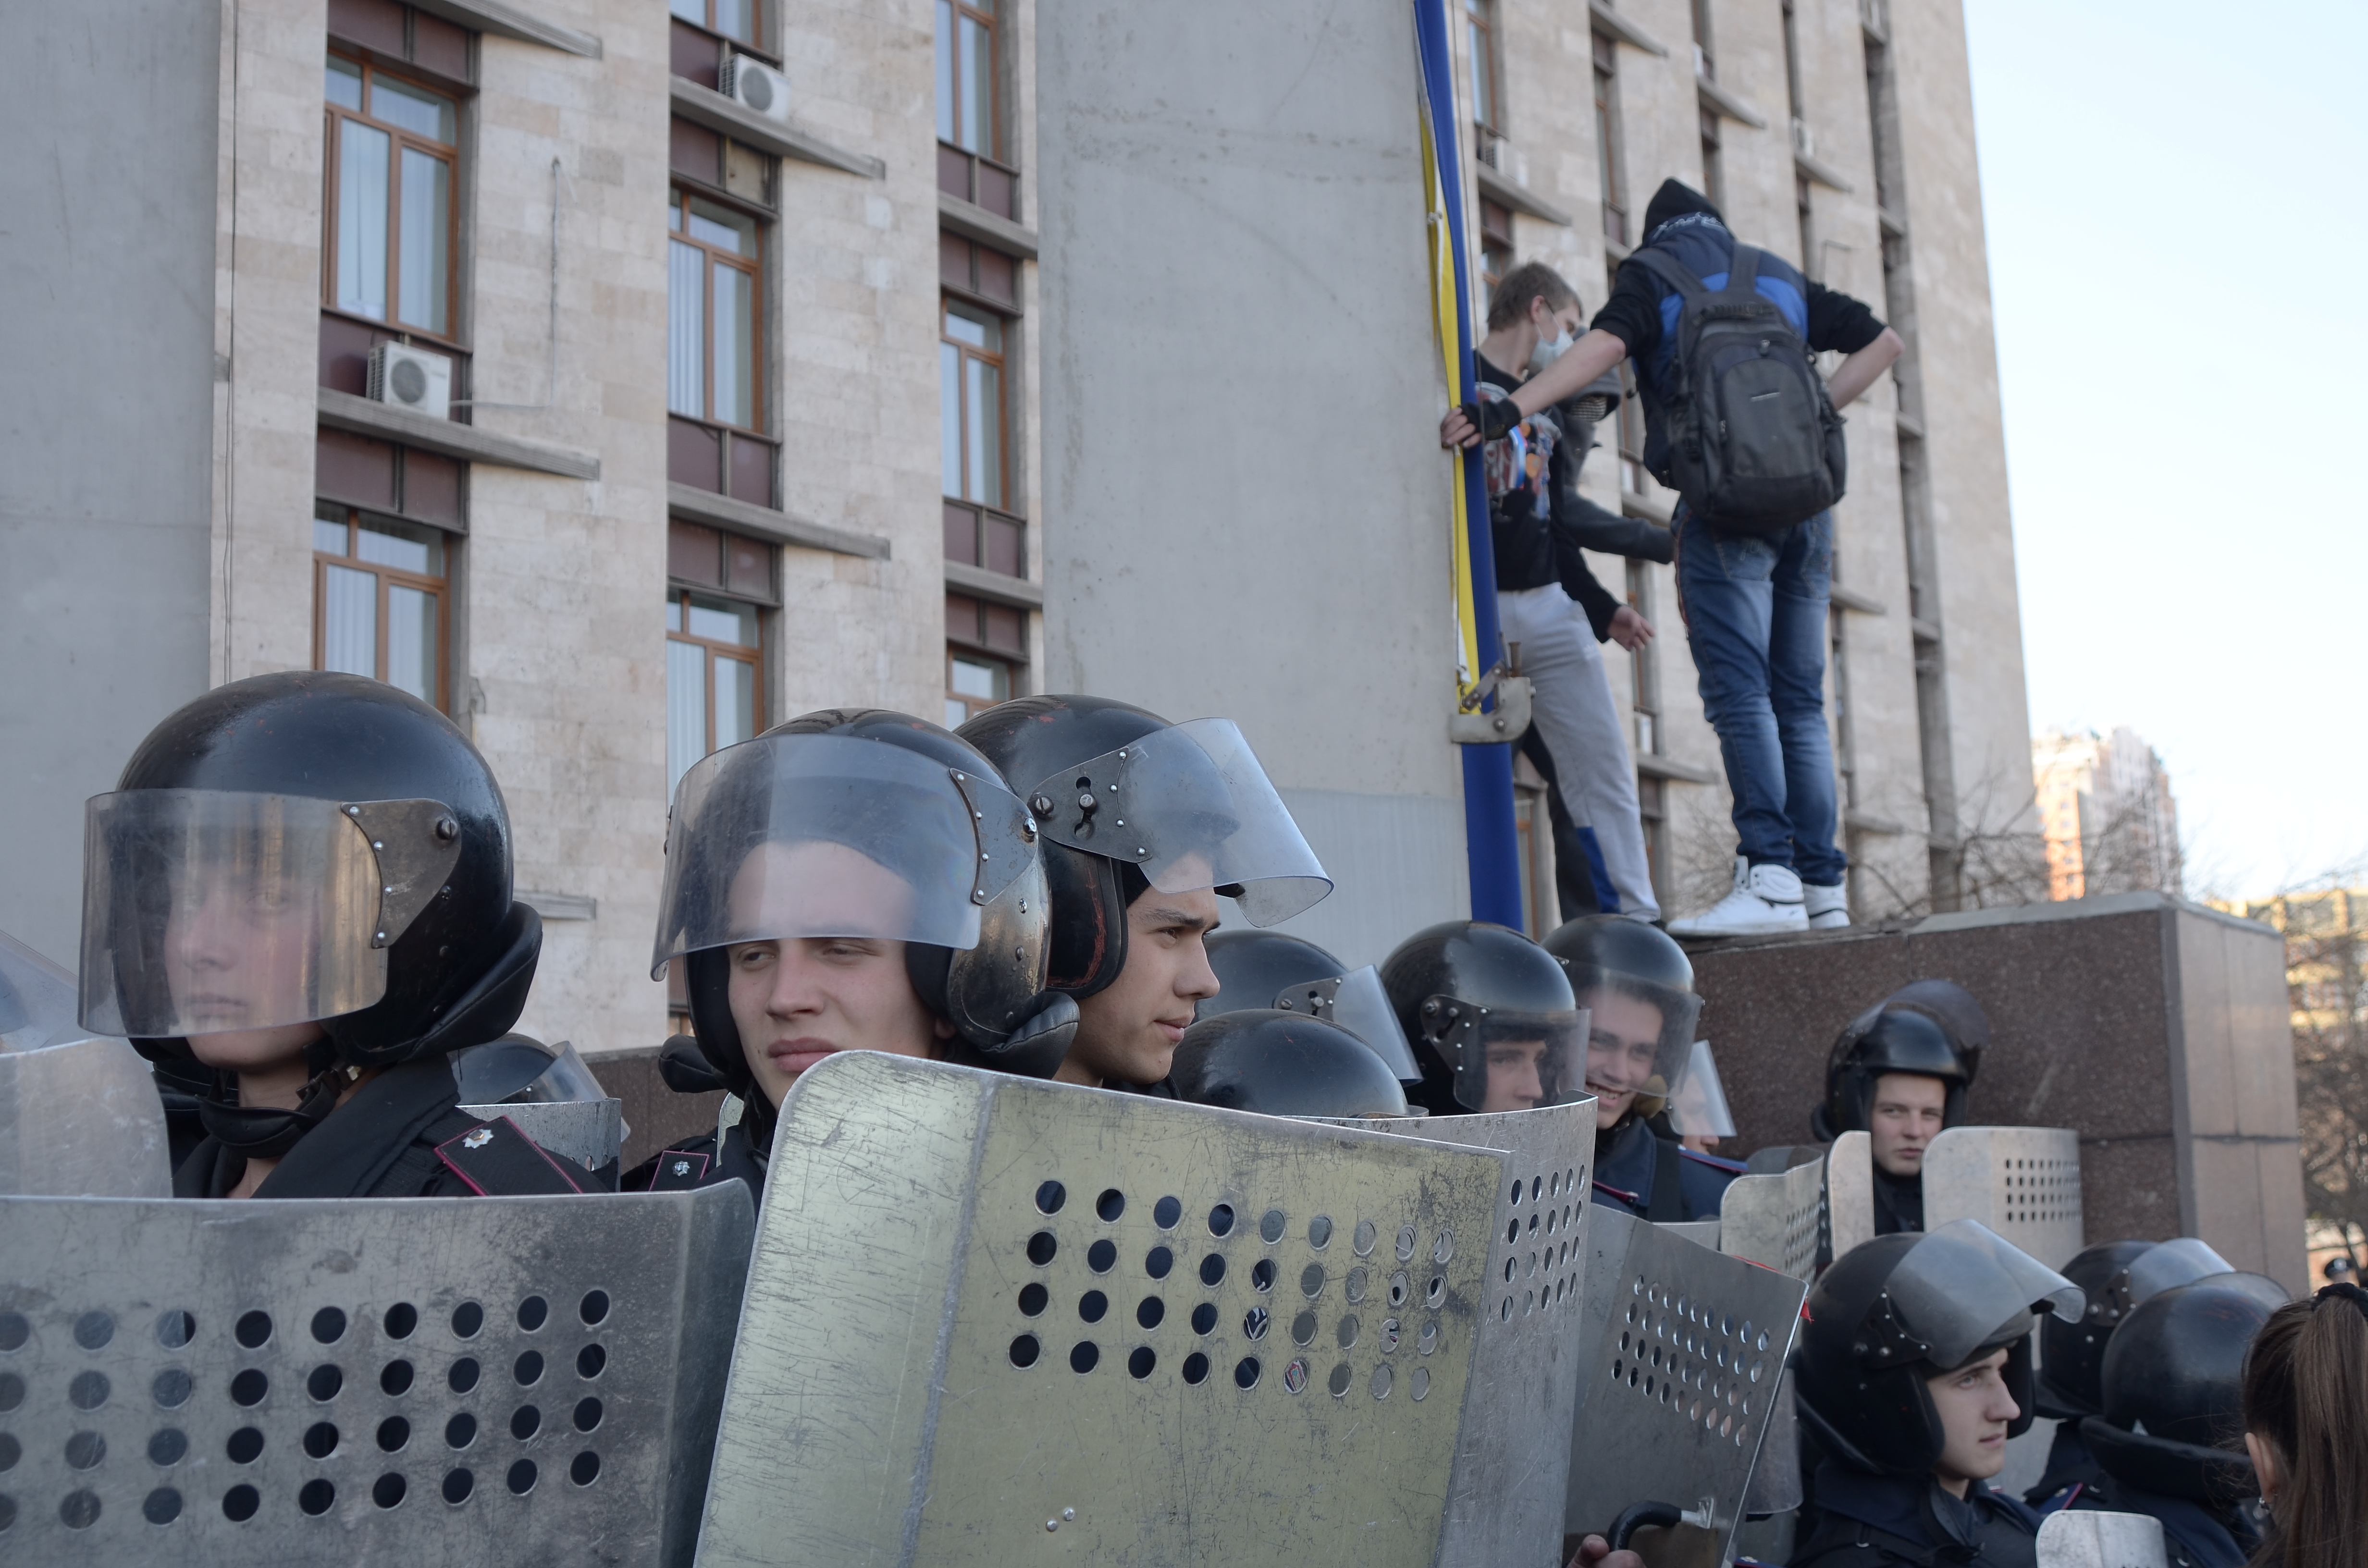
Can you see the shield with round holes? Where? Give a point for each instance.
(365, 1381)
(1681, 1379)
(2022, 1182)
(1775, 1220)
(991, 1319)
(79, 1115)
(1506, 1504)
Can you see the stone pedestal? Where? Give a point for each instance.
(2155, 1029)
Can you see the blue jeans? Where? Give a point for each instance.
(1755, 613)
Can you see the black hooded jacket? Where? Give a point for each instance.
(1633, 313)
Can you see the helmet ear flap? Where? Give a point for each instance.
(707, 977)
(1088, 941)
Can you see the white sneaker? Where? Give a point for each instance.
(1828, 907)
(1766, 903)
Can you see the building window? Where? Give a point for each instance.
(1480, 46)
(967, 117)
(735, 19)
(986, 645)
(713, 310)
(714, 676)
(1495, 246)
(1607, 141)
(379, 601)
(970, 385)
(391, 167)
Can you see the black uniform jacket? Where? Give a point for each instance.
(380, 1143)
(702, 1162)
(1869, 1521)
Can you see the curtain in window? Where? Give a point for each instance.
(349, 622)
(686, 709)
(410, 641)
(736, 702)
(985, 397)
(735, 338)
(361, 219)
(427, 196)
(950, 389)
(686, 331)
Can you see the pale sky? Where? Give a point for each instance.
(2173, 193)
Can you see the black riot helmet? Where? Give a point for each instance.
(1271, 969)
(860, 822)
(2118, 1278)
(2174, 1413)
(1636, 986)
(1887, 1038)
(1900, 1309)
(304, 847)
(1490, 1015)
(1127, 801)
(1279, 1063)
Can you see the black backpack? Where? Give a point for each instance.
(1754, 443)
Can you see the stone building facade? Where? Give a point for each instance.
(1155, 281)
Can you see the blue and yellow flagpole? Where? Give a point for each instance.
(1491, 842)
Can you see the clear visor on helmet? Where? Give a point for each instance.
(520, 1069)
(1964, 1285)
(207, 912)
(1356, 1002)
(789, 837)
(1637, 1030)
(1507, 1060)
(2182, 1260)
(1697, 1105)
(1190, 806)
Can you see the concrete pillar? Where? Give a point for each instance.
(2154, 1027)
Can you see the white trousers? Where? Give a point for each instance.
(1575, 714)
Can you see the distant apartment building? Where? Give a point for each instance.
(2106, 814)
(574, 366)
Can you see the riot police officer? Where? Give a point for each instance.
(300, 886)
(2117, 1278)
(1273, 969)
(1144, 822)
(847, 880)
(1282, 1063)
(1636, 986)
(1914, 1368)
(1491, 1017)
(2173, 1395)
(1898, 1073)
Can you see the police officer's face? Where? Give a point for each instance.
(1975, 1408)
(797, 1001)
(1905, 1119)
(1514, 1083)
(1624, 1033)
(1127, 1031)
(238, 954)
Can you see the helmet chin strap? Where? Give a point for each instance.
(267, 1133)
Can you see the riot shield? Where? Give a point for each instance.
(1505, 1504)
(590, 1133)
(2083, 1539)
(79, 1115)
(990, 1318)
(1776, 1220)
(1682, 1364)
(2022, 1182)
(363, 1381)
(1850, 1193)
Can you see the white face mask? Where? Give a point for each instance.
(1546, 353)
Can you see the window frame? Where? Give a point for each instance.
(679, 594)
(754, 45)
(961, 11)
(332, 165)
(1001, 360)
(682, 190)
(973, 707)
(1483, 75)
(439, 588)
(1609, 139)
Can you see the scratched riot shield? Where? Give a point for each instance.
(2084, 1540)
(1850, 1193)
(1684, 1350)
(79, 1115)
(2022, 1182)
(1507, 1500)
(363, 1381)
(1776, 1220)
(991, 1319)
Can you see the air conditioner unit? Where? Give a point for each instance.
(412, 379)
(757, 85)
